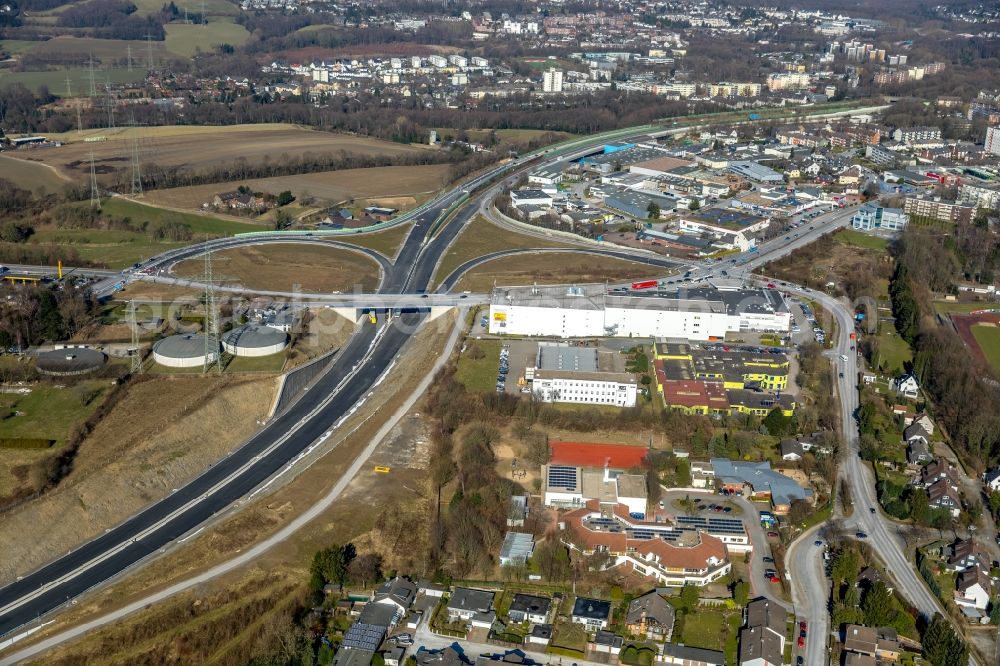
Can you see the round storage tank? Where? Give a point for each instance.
(69, 361)
(254, 340)
(183, 351)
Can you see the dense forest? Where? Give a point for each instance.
(966, 401)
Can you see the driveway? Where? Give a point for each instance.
(758, 538)
(426, 638)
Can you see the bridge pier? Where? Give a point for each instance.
(438, 310)
(352, 314)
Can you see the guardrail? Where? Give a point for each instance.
(448, 212)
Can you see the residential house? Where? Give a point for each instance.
(916, 432)
(364, 637)
(466, 604)
(906, 385)
(860, 640)
(992, 480)
(966, 554)
(529, 608)
(650, 616)
(855, 659)
(974, 589)
(396, 656)
(237, 201)
(593, 614)
(937, 470)
(398, 593)
(870, 645)
(918, 452)
(887, 648)
(762, 638)
(606, 642)
(791, 450)
(682, 655)
(942, 494)
(448, 656)
(541, 634)
(870, 577)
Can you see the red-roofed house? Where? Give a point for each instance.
(583, 454)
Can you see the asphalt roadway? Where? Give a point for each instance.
(336, 394)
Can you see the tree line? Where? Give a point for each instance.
(966, 402)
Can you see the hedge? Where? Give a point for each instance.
(25, 443)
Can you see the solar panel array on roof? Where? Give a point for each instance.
(364, 636)
(563, 476)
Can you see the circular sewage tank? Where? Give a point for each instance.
(183, 351)
(70, 361)
(254, 340)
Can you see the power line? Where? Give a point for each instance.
(129, 49)
(111, 105)
(134, 348)
(90, 68)
(134, 158)
(149, 52)
(69, 90)
(95, 192)
(213, 357)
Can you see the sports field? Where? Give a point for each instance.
(198, 147)
(988, 339)
(981, 334)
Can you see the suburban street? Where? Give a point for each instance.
(370, 354)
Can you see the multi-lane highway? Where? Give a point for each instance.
(367, 357)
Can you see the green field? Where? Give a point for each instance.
(270, 364)
(893, 351)
(187, 39)
(49, 412)
(199, 224)
(30, 175)
(118, 249)
(16, 45)
(859, 239)
(988, 339)
(211, 7)
(948, 307)
(79, 79)
(479, 374)
(712, 629)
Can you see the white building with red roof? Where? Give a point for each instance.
(672, 555)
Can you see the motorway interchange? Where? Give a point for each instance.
(369, 355)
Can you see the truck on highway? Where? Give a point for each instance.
(372, 318)
(644, 284)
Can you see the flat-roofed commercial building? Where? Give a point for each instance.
(591, 311)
